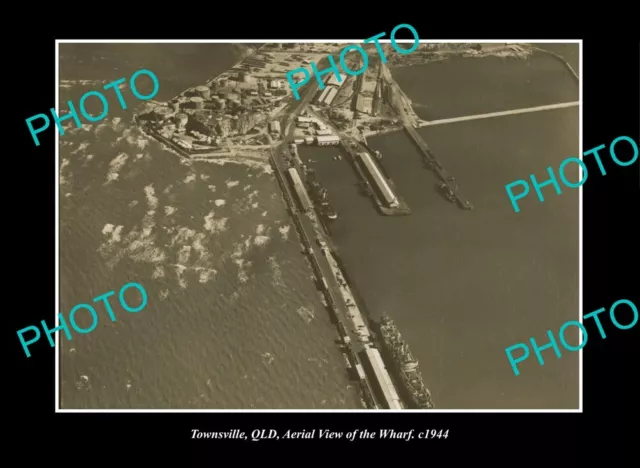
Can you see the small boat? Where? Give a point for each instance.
(447, 191)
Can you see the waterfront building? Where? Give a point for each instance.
(197, 102)
(162, 112)
(364, 104)
(203, 91)
(382, 379)
(181, 120)
(302, 196)
(323, 95)
(328, 140)
(329, 98)
(379, 180)
(333, 80)
(274, 127)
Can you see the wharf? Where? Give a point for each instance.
(432, 163)
(402, 210)
(352, 325)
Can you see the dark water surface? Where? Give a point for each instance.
(455, 88)
(464, 285)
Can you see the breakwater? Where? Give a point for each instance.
(559, 57)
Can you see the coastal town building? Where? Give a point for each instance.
(328, 140)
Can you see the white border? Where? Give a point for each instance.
(249, 41)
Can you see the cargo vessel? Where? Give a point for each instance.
(406, 366)
(320, 196)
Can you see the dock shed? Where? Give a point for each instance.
(379, 180)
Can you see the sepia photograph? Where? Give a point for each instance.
(313, 226)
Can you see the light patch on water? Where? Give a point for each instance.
(189, 178)
(133, 203)
(260, 240)
(140, 156)
(206, 274)
(204, 177)
(164, 294)
(255, 205)
(263, 166)
(242, 276)
(107, 229)
(260, 229)
(167, 189)
(63, 179)
(71, 83)
(136, 140)
(306, 314)
(232, 183)
(180, 271)
(267, 358)
(211, 187)
(276, 271)
(264, 213)
(114, 235)
(215, 225)
(199, 247)
(183, 237)
(150, 195)
(184, 254)
(146, 252)
(114, 166)
(101, 127)
(169, 210)
(284, 232)
(246, 188)
(81, 147)
(220, 202)
(158, 272)
(83, 383)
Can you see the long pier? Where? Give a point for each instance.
(376, 386)
(432, 163)
(525, 110)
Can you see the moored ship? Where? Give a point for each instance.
(321, 196)
(405, 364)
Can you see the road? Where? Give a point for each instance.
(289, 122)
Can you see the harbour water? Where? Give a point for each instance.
(464, 285)
(234, 319)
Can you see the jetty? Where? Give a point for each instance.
(447, 182)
